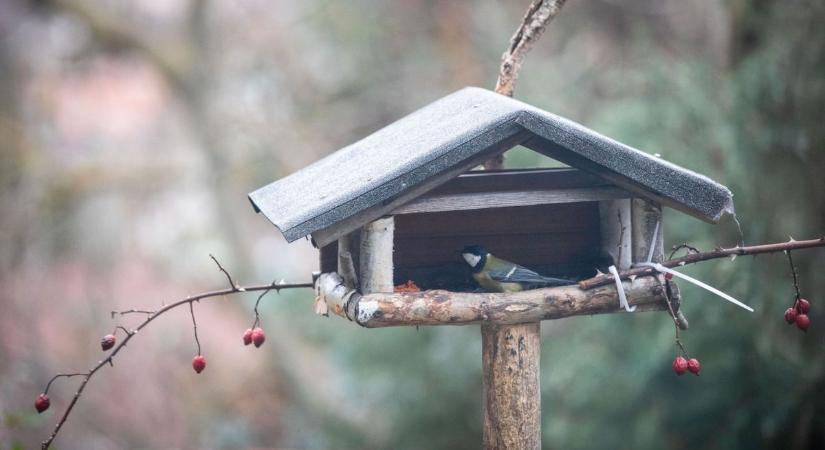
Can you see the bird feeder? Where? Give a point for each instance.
(402, 201)
(399, 204)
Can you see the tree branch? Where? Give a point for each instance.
(535, 21)
(538, 16)
(692, 258)
(152, 315)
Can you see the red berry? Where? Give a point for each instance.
(694, 366)
(258, 337)
(247, 336)
(107, 342)
(790, 315)
(803, 322)
(42, 403)
(803, 305)
(199, 363)
(680, 365)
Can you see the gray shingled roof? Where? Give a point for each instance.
(409, 157)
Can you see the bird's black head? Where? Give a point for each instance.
(475, 256)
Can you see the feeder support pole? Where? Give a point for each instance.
(510, 353)
(512, 398)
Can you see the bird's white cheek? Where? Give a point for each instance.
(471, 259)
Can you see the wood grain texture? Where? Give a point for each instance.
(375, 256)
(510, 357)
(645, 215)
(462, 308)
(519, 179)
(482, 200)
(616, 231)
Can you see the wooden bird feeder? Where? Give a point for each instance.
(400, 204)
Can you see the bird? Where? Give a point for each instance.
(494, 274)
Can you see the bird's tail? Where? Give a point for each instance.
(551, 281)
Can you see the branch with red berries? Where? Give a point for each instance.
(109, 342)
(796, 314)
(255, 335)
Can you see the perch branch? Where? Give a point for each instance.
(692, 258)
(152, 315)
(463, 308)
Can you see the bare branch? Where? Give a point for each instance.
(225, 272)
(535, 21)
(194, 325)
(538, 16)
(62, 375)
(132, 311)
(795, 279)
(150, 317)
(698, 257)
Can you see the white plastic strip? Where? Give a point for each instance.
(620, 290)
(702, 285)
(652, 247)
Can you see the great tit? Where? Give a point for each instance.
(497, 275)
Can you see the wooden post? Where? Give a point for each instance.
(646, 216)
(615, 219)
(510, 363)
(512, 398)
(376, 256)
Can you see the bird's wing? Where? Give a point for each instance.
(519, 274)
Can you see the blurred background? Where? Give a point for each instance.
(131, 132)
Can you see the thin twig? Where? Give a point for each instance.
(258, 301)
(225, 272)
(61, 375)
(132, 311)
(669, 301)
(119, 327)
(194, 325)
(603, 279)
(795, 280)
(188, 300)
(683, 246)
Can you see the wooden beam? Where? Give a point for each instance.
(463, 308)
(376, 256)
(484, 200)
